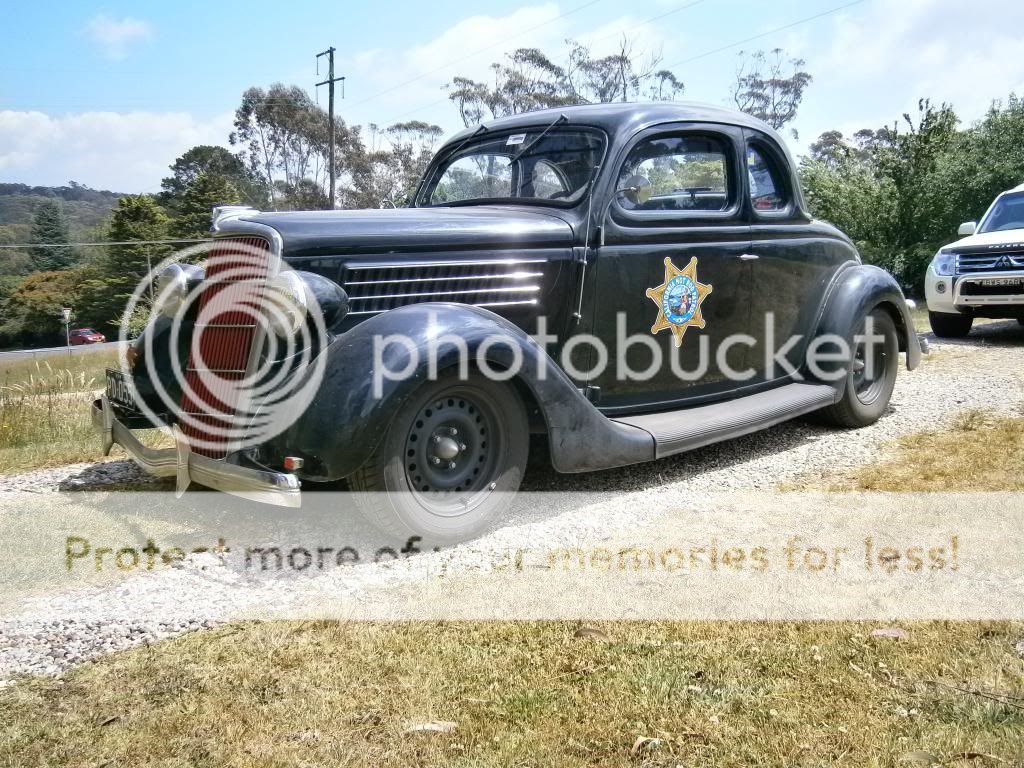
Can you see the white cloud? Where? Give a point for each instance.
(963, 53)
(115, 36)
(388, 85)
(123, 152)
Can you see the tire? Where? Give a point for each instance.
(445, 486)
(947, 326)
(868, 389)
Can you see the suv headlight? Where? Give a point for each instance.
(944, 263)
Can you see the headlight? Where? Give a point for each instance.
(173, 285)
(944, 263)
(286, 304)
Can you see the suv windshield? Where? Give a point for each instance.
(1007, 213)
(524, 167)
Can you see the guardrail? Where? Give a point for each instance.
(28, 354)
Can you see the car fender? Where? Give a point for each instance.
(856, 291)
(355, 403)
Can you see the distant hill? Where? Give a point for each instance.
(84, 208)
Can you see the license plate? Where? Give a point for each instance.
(119, 390)
(1008, 282)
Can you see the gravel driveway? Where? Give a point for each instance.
(46, 634)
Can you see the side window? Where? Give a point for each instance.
(682, 173)
(767, 189)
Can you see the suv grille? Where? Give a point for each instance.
(375, 287)
(991, 259)
(224, 340)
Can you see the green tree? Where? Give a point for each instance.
(50, 228)
(32, 309)
(115, 274)
(529, 79)
(283, 138)
(193, 213)
(215, 162)
(770, 86)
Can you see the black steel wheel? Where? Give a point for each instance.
(871, 377)
(450, 463)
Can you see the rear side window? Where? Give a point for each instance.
(680, 173)
(767, 189)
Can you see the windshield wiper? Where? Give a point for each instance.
(479, 129)
(558, 121)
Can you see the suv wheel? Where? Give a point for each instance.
(450, 463)
(947, 326)
(871, 378)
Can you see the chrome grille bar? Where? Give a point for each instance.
(375, 287)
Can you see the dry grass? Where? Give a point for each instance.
(44, 411)
(979, 452)
(532, 694)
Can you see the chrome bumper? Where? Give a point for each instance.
(279, 488)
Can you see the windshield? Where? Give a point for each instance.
(1007, 213)
(526, 167)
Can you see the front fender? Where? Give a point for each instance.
(860, 289)
(355, 403)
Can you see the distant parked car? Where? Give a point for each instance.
(982, 274)
(81, 336)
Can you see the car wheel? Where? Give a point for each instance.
(947, 326)
(871, 378)
(449, 464)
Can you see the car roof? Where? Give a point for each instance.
(625, 117)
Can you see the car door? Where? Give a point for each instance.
(669, 278)
(793, 260)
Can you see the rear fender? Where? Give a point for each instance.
(857, 291)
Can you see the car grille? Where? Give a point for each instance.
(991, 259)
(375, 287)
(223, 341)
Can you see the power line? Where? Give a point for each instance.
(117, 242)
(763, 34)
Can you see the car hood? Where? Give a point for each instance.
(989, 241)
(321, 232)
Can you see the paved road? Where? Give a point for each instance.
(22, 354)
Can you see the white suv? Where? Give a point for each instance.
(981, 275)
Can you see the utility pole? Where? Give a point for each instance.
(329, 82)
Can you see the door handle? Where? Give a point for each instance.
(749, 256)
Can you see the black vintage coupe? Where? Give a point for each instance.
(640, 233)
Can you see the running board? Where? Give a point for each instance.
(684, 430)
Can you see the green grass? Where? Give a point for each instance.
(532, 694)
(44, 410)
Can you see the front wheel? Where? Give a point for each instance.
(450, 463)
(872, 375)
(947, 326)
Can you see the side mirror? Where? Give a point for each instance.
(967, 229)
(636, 189)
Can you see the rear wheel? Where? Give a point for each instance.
(450, 463)
(872, 375)
(947, 326)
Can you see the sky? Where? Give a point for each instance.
(109, 94)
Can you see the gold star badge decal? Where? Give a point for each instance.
(679, 299)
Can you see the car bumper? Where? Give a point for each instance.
(280, 488)
(947, 293)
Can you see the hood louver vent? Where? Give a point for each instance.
(375, 287)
